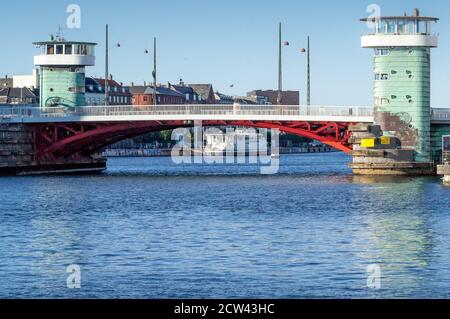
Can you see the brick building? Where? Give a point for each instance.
(288, 97)
(143, 95)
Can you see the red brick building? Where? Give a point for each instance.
(143, 95)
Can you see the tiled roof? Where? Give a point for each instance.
(161, 90)
(110, 82)
(24, 93)
(202, 89)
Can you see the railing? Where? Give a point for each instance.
(440, 114)
(172, 110)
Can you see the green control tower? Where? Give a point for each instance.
(402, 78)
(62, 71)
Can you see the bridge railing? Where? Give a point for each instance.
(172, 110)
(440, 114)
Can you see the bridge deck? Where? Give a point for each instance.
(187, 113)
(21, 114)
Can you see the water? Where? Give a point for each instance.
(150, 229)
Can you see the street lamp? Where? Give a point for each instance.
(280, 67)
(308, 76)
(107, 64)
(154, 70)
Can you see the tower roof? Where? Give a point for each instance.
(63, 42)
(417, 18)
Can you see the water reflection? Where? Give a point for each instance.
(397, 233)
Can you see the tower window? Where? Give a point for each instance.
(59, 49)
(50, 49)
(68, 49)
(382, 52)
(381, 77)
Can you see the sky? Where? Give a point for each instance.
(229, 43)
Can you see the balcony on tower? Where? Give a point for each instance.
(58, 52)
(400, 31)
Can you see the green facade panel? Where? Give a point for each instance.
(402, 97)
(63, 87)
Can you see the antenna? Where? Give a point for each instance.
(60, 33)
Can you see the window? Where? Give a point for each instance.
(381, 101)
(83, 49)
(381, 77)
(68, 49)
(50, 49)
(382, 52)
(77, 89)
(145, 98)
(187, 97)
(77, 49)
(59, 49)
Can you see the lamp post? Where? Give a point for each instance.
(107, 64)
(280, 66)
(154, 70)
(308, 76)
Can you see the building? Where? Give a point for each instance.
(205, 92)
(401, 46)
(143, 95)
(18, 96)
(223, 99)
(27, 81)
(190, 96)
(271, 96)
(95, 93)
(62, 71)
(6, 82)
(245, 100)
(118, 93)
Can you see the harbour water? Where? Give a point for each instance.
(147, 228)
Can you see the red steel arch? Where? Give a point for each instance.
(59, 141)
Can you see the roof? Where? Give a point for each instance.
(419, 18)
(140, 89)
(62, 42)
(90, 82)
(110, 82)
(202, 89)
(182, 89)
(161, 90)
(24, 93)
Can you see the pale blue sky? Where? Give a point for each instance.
(226, 42)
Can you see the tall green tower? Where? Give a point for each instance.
(62, 71)
(402, 78)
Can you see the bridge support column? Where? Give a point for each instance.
(375, 154)
(17, 155)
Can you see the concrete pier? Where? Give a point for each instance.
(375, 154)
(17, 155)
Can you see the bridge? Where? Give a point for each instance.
(61, 132)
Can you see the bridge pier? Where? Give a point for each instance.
(375, 154)
(18, 155)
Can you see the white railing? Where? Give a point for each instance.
(161, 110)
(440, 114)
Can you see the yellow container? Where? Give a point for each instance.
(385, 140)
(368, 142)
